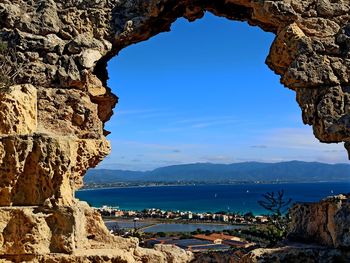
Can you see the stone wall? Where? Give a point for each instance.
(52, 115)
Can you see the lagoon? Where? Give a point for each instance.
(151, 227)
(188, 227)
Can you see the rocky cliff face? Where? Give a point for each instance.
(322, 227)
(297, 253)
(326, 222)
(319, 233)
(52, 115)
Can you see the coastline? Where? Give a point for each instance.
(203, 184)
(136, 186)
(167, 221)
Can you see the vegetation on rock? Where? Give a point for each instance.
(277, 205)
(10, 66)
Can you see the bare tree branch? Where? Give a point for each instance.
(278, 206)
(10, 65)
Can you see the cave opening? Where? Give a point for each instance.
(203, 93)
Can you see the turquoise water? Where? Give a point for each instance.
(207, 198)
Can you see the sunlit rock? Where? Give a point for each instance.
(18, 110)
(326, 222)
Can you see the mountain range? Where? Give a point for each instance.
(293, 171)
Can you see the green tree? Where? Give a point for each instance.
(161, 234)
(278, 206)
(248, 215)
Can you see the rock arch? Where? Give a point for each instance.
(52, 117)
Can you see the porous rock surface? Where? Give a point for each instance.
(323, 228)
(296, 254)
(326, 222)
(52, 118)
(318, 233)
(71, 234)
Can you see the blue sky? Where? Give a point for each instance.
(202, 93)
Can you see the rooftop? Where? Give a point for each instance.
(214, 237)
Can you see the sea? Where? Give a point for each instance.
(236, 198)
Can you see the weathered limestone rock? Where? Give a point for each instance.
(62, 112)
(67, 45)
(89, 58)
(219, 257)
(326, 222)
(296, 254)
(103, 256)
(18, 110)
(174, 254)
(52, 121)
(36, 169)
(289, 43)
(43, 230)
(76, 230)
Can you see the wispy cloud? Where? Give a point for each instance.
(282, 144)
(297, 138)
(181, 123)
(194, 125)
(170, 147)
(300, 144)
(144, 166)
(209, 123)
(334, 151)
(218, 159)
(134, 111)
(259, 146)
(191, 121)
(144, 113)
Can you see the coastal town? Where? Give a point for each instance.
(189, 216)
(137, 223)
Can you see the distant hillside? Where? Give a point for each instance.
(294, 171)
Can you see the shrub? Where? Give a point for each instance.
(277, 205)
(161, 234)
(10, 67)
